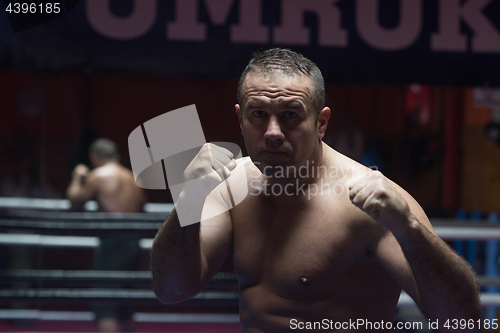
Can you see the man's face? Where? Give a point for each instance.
(278, 120)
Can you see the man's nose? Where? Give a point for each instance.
(273, 131)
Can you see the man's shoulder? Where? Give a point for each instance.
(110, 170)
(340, 167)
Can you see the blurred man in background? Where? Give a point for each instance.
(113, 187)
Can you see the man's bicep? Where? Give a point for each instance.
(392, 258)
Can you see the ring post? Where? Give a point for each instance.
(458, 244)
(492, 264)
(472, 244)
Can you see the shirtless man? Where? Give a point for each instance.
(303, 256)
(114, 188)
(109, 183)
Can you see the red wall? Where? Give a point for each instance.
(114, 105)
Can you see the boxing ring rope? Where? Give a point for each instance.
(487, 299)
(455, 231)
(447, 229)
(38, 229)
(65, 205)
(133, 296)
(222, 318)
(220, 281)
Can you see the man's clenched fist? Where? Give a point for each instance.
(375, 195)
(81, 170)
(211, 166)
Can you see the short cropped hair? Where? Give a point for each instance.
(104, 149)
(289, 63)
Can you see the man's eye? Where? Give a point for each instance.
(290, 115)
(259, 113)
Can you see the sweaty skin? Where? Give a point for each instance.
(111, 185)
(309, 259)
(324, 237)
(309, 253)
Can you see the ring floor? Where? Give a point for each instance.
(86, 326)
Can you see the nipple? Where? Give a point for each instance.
(305, 280)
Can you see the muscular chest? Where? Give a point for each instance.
(297, 251)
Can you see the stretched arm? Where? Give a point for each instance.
(439, 280)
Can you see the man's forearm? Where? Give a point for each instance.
(176, 261)
(179, 266)
(74, 189)
(446, 284)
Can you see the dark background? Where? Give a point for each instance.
(62, 84)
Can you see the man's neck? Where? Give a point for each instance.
(296, 183)
(106, 163)
(308, 173)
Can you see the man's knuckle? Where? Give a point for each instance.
(380, 193)
(204, 155)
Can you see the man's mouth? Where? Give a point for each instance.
(274, 151)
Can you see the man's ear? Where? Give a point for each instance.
(323, 117)
(93, 159)
(238, 113)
